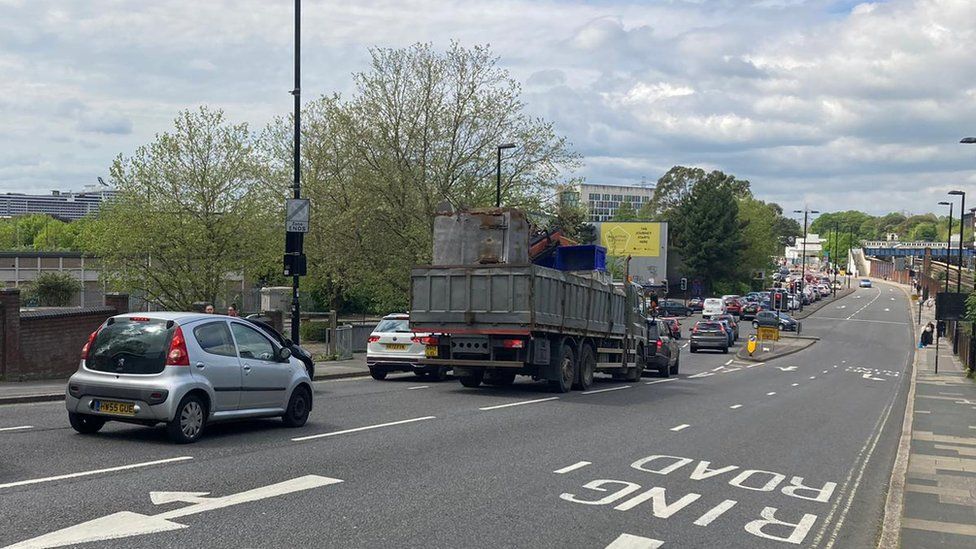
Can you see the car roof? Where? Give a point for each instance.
(397, 316)
(180, 317)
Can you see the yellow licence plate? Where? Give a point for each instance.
(430, 351)
(114, 407)
(396, 346)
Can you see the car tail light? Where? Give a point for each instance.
(430, 341)
(695, 329)
(513, 343)
(177, 355)
(88, 344)
(659, 344)
(374, 339)
(722, 328)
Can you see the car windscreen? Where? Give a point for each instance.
(395, 325)
(131, 347)
(709, 327)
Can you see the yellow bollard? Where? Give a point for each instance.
(751, 346)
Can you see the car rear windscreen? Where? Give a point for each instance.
(709, 327)
(131, 347)
(396, 325)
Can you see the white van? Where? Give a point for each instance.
(713, 306)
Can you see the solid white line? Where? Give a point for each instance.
(735, 406)
(357, 429)
(771, 393)
(605, 390)
(660, 381)
(521, 402)
(95, 472)
(418, 387)
(680, 427)
(21, 428)
(573, 467)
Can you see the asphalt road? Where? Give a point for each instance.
(797, 451)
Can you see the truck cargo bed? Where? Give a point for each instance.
(507, 298)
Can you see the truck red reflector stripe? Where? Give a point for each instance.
(513, 343)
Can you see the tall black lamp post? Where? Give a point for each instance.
(948, 243)
(803, 254)
(962, 210)
(498, 174)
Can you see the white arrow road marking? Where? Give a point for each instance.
(628, 541)
(573, 467)
(787, 368)
(868, 376)
(95, 472)
(126, 523)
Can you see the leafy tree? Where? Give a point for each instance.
(760, 240)
(625, 212)
(677, 183)
(707, 233)
(52, 289)
(926, 231)
(194, 205)
(573, 221)
(421, 129)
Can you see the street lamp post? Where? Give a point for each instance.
(498, 174)
(833, 254)
(948, 243)
(803, 253)
(298, 238)
(962, 215)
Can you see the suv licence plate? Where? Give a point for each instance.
(396, 346)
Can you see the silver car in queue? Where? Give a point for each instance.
(185, 370)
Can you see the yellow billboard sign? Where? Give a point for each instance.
(633, 239)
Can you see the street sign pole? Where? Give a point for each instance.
(295, 310)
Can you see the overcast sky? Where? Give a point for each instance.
(830, 103)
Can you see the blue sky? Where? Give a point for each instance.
(835, 104)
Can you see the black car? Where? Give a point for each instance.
(296, 350)
(709, 335)
(773, 319)
(663, 353)
(670, 307)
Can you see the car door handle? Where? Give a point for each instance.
(201, 365)
(247, 368)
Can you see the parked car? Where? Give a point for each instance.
(297, 351)
(771, 319)
(394, 347)
(713, 306)
(674, 325)
(185, 370)
(733, 306)
(749, 310)
(864, 283)
(696, 304)
(663, 353)
(732, 324)
(709, 334)
(671, 307)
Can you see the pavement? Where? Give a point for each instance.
(933, 503)
(770, 350)
(726, 454)
(17, 392)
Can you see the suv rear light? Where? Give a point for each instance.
(722, 328)
(177, 355)
(659, 344)
(513, 343)
(430, 341)
(88, 344)
(374, 339)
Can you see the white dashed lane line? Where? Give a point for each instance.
(795, 384)
(95, 472)
(735, 406)
(20, 428)
(366, 428)
(771, 393)
(680, 427)
(660, 381)
(418, 387)
(519, 403)
(603, 390)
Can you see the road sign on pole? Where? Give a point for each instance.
(296, 215)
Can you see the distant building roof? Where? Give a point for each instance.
(63, 205)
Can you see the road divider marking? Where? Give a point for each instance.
(605, 390)
(628, 541)
(771, 393)
(519, 403)
(573, 467)
(735, 406)
(20, 428)
(719, 368)
(702, 374)
(795, 384)
(418, 387)
(95, 472)
(366, 428)
(729, 362)
(660, 381)
(825, 371)
(680, 427)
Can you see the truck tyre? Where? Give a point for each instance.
(635, 372)
(472, 380)
(587, 366)
(565, 372)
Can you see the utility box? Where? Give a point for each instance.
(487, 236)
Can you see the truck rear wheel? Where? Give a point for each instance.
(587, 366)
(472, 380)
(566, 373)
(635, 372)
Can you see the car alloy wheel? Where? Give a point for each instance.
(191, 419)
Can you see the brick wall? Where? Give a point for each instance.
(46, 344)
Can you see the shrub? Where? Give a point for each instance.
(53, 289)
(311, 330)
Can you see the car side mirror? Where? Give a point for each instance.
(288, 342)
(284, 354)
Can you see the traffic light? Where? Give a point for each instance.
(778, 301)
(684, 284)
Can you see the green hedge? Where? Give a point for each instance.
(311, 330)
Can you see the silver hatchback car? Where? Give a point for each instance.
(185, 370)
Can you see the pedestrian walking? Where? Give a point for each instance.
(926, 338)
(940, 328)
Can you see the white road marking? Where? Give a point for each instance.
(573, 467)
(795, 384)
(813, 377)
(868, 376)
(735, 406)
(887, 309)
(519, 403)
(95, 472)
(702, 374)
(357, 429)
(127, 524)
(825, 371)
(685, 345)
(628, 541)
(680, 427)
(21, 428)
(729, 362)
(756, 364)
(605, 390)
(865, 306)
(842, 306)
(771, 393)
(715, 512)
(418, 387)
(892, 299)
(787, 368)
(660, 381)
(719, 368)
(862, 320)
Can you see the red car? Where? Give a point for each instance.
(674, 326)
(733, 306)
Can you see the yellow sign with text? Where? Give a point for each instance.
(633, 239)
(767, 333)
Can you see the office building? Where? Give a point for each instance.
(64, 205)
